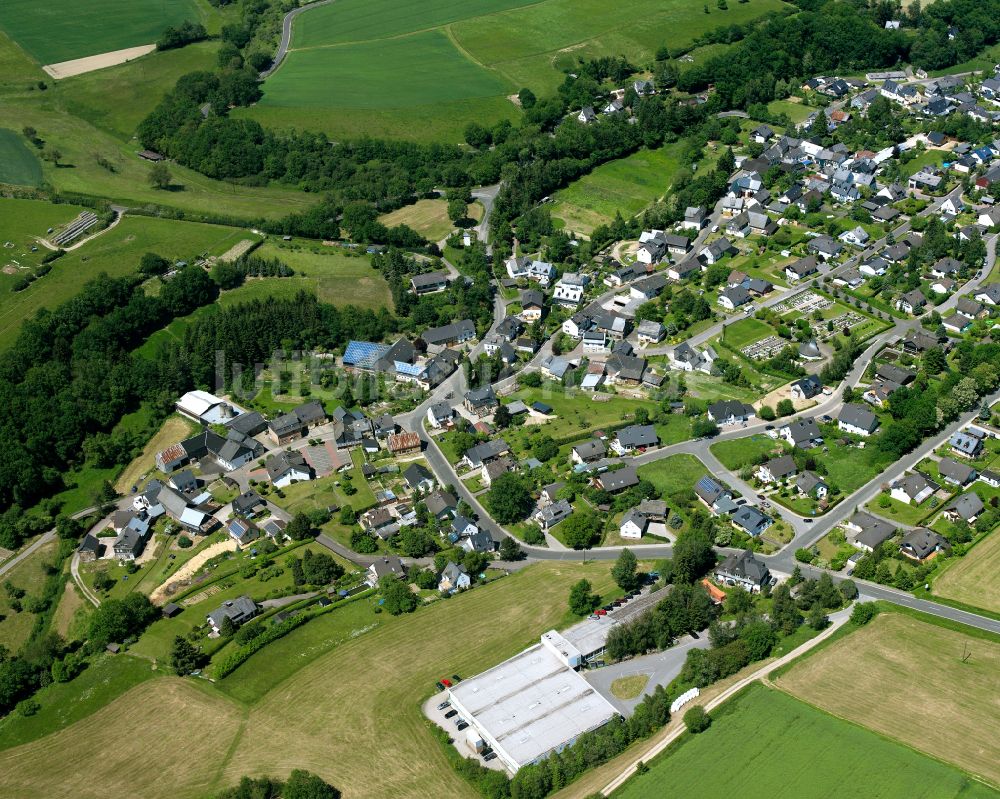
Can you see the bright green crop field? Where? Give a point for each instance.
(765, 744)
(61, 30)
(426, 70)
(18, 164)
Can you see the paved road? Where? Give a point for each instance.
(286, 36)
(661, 667)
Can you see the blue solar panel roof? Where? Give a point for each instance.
(364, 353)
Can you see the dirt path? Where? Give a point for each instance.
(80, 66)
(189, 569)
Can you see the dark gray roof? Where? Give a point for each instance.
(858, 416)
(638, 436)
(746, 566)
(620, 479)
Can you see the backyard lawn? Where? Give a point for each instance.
(674, 474)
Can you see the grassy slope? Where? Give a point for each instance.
(61, 30)
(332, 700)
(29, 575)
(428, 217)
(775, 745)
(928, 698)
(18, 164)
(116, 252)
(627, 185)
(974, 578)
(332, 274)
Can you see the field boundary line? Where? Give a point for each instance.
(759, 674)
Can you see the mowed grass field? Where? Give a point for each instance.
(18, 163)
(673, 474)
(772, 745)
(425, 70)
(428, 217)
(61, 30)
(333, 275)
(628, 185)
(116, 251)
(336, 700)
(905, 678)
(975, 578)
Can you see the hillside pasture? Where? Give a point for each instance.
(19, 165)
(116, 252)
(428, 217)
(775, 745)
(61, 30)
(628, 185)
(928, 697)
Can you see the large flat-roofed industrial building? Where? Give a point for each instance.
(533, 704)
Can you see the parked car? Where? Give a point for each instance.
(593, 616)
(490, 756)
(451, 714)
(456, 678)
(601, 612)
(440, 686)
(446, 682)
(443, 705)
(462, 726)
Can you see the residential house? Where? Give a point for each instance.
(440, 414)
(958, 474)
(694, 218)
(649, 332)
(295, 423)
(246, 504)
(238, 611)
(806, 387)
(429, 283)
(684, 269)
(634, 437)
(243, 531)
(777, 470)
(730, 412)
(968, 446)
(481, 401)
(618, 480)
(568, 291)
(710, 491)
(988, 295)
(912, 488)
(285, 468)
(419, 478)
(912, 302)
(588, 451)
(745, 570)
(447, 335)
(733, 298)
(956, 323)
(686, 358)
(801, 269)
(633, 524)
(868, 531)
(479, 454)
(453, 578)
(857, 420)
(441, 504)
(716, 251)
(480, 541)
(89, 549)
(750, 520)
(824, 247)
(967, 508)
(802, 433)
(553, 513)
(390, 565)
(811, 485)
(922, 544)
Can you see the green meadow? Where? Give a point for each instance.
(61, 30)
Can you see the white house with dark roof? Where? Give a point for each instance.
(857, 420)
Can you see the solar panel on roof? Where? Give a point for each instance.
(364, 353)
(410, 369)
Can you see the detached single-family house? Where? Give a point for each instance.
(802, 433)
(806, 388)
(588, 451)
(418, 478)
(912, 302)
(744, 570)
(811, 485)
(633, 524)
(618, 480)
(634, 437)
(968, 446)
(553, 513)
(440, 414)
(384, 567)
(868, 531)
(922, 544)
(751, 520)
(453, 578)
(285, 468)
(967, 508)
(801, 269)
(958, 474)
(777, 470)
(481, 401)
(238, 611)
(730, 412)
(857, 419)
(912, 488)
